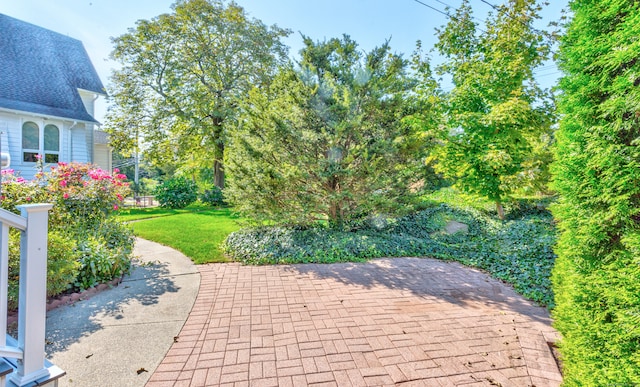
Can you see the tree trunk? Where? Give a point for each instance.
(218, 168)
(335, 215)
(500, 210)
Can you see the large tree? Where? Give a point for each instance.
(328, 139)
(183, 75)
(596, 278)
(496, 111)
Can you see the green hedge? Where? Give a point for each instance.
(597, 174)
(518, 251)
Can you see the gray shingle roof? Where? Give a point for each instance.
(41, 70)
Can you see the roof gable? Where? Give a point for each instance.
(42, 70)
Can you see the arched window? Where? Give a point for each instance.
(51, 143)
(30, 141)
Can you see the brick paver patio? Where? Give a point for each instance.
(403, 321)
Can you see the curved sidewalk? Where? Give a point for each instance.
(119, 336)
(403, 321)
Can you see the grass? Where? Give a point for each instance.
(196, 231)
(133, 214)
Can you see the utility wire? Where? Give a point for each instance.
(490, 5)
(443, 12)
(437, 10)
(443, 3)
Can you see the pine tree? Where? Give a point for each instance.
(328, 140)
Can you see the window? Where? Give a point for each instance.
(32, 141)
(51, 143)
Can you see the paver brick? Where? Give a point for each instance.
(404, 321)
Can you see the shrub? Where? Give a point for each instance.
(80, 225)
(517, 251)
(597, 175)
(99, 264)
(176, 193)
(82, 193)
(62, 265)
(212, 196)
(17, 191)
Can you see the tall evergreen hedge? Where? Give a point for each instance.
(596, 279)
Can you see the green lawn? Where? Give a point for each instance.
(195, 231)
(131, 214)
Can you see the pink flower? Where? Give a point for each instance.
(116, 170)
(38, 157)
(115, 207)
(65, 196)
(121, 176)
(28, 198)
(63, 183)
(119, 197)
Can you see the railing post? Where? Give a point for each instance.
(4, 281)
(32, 306)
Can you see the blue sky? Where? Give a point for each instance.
(368, 22)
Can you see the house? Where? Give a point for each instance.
(48, 87)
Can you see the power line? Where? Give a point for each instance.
(443, 12)
(437, 10)
(443, 3)
(490, 5)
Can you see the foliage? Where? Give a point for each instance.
(85, 199)
(212, 196)
(62, 262)
(326, 140)
(17, 191)
(82, 194)
(182, 77)
(499, 120)
(99, 263)
(517, 251)
(177, 192)
(597, 174)
(197, 232)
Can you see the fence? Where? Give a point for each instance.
(23, 360)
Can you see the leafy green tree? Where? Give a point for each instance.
(596, 278)
(496, 111)
(328, 139)
(183, 75)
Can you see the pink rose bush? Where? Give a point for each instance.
(87, 244)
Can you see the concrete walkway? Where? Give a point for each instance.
(405, 321)
(119, 336)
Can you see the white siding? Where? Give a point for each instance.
(79, 149)
(102, 156)
(11, 125)
(73, 147)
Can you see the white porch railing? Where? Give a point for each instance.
(27, 355)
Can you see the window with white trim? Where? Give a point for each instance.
(30, 141)
(46, 143)
(51, 144)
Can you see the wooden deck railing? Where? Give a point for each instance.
(26, 356)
